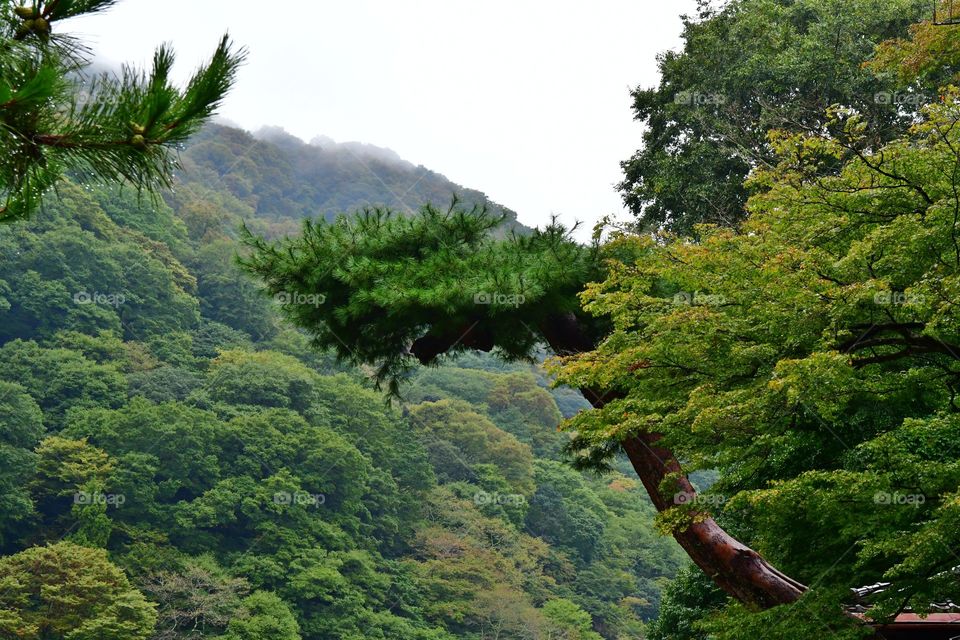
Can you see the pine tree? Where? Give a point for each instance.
(55, 118)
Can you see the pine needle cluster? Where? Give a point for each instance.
(57, 118)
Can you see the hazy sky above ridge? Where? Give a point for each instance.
(526, 100)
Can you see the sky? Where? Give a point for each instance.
(526, 100)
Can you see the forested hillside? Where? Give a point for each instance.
(178, 462)
(253, 388)
(275, 180)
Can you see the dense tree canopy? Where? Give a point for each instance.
(68, 591)
(251, 488)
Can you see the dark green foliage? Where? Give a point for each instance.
(566, 512)
(227, 295)
(212, 337)
(61, 379)
(164, 384)
(152, 218)
(747, 67)
(71, 267)
(438, 273)
(22, 423)
(690, 597)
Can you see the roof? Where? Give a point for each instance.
(910, 626)
(942, 623)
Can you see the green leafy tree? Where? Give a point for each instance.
(690, 598)
(165, 384)
(565, 511)
(633, 562)
(747, 67)
(227, 296)
(22, 429)
(401, 472)
(266, 617)
(475, 439)
(479, 574)
(448, 383)
(927, 57)
(566, 620)
(72, 268)
(517, 404)
(814, 367)
(105, 347)
(211, 337)
(70, 489)
(263, 378)
(70, 592)
(179, 446)
(60, 379)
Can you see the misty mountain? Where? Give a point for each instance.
(278, 178)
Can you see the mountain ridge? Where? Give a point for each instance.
(278, 177)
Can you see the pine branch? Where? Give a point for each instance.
(109, 128)
(63, 9)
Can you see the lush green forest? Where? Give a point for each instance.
(258, 389)
(194, 469)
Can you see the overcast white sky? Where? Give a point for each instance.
(526, 100)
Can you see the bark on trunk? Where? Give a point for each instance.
(734, 567)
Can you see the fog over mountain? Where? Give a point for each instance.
(275, 176)
(281, 137)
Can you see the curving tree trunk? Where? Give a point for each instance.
(734, 567)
